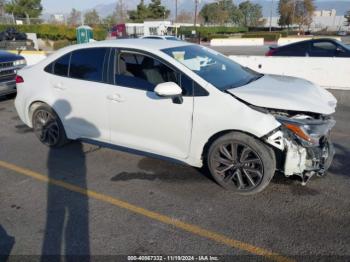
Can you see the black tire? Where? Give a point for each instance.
(48, 127)
(330, 152)
(253, 163)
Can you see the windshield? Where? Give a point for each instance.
(215, 68)
(171, 38)
(347, 47)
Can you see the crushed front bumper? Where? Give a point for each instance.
(299, 158)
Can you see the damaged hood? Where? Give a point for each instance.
(286, 93)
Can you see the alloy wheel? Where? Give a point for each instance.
(238, 165)
(46, 127)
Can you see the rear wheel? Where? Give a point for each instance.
(241, 163)
(48, 127)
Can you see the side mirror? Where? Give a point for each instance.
(339, 50)
(169, 90)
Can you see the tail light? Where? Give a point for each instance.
(271, 52)
(19, 79)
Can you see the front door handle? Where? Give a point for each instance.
(59, 86)
(116, 98)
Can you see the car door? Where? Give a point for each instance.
(78, 86)
(323, 49)
(141, 120)
(297, 49)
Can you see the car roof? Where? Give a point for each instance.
(310, 41)
(137, 43)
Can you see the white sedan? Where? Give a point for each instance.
(183, 102)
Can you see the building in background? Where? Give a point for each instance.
(58, 18)
(322, 20)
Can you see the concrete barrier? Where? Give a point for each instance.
(290, 40)
(32, 57)
(237, 42)
(332, 73)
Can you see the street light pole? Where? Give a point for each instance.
(271, 15)
(175, 11)
(195, 12)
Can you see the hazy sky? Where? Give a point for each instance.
(66, 5)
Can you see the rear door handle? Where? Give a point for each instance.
(116, 98)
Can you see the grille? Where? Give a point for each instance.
(6, 65)
(6, 73)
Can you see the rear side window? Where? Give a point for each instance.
(88, 64)
(300, 49)
(61, 65)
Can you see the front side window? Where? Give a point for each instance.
(88, 64)
(61, 65)
(324, 46)
(220, 71)
(142, 71)
(323, 49)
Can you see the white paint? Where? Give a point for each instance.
(237, 42)
(290, 40)
(327, 72)
(282, 92)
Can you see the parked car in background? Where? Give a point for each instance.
(314, 48)
(184, 102)
(162, 37)
(342, 33)
(9, 64)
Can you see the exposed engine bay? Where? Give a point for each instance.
(303, 139)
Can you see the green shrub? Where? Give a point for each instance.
(62, 43)
(54, 32)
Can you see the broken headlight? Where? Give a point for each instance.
(306, 129)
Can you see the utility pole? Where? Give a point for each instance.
(195, 12)
(293, 13)
(271, 15)
(176, 10)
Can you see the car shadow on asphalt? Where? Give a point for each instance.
(340, 165)
(155, 169)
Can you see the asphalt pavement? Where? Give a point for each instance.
(86, 200)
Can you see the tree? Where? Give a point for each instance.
(185, 17)
(74, 18)
(252, 14)
(2, 7)
(220, 12)
(140, 14)
(24, 8)
(157, 11)
(121, 12)
(110, 21)
(91, 18)
(285, 10)
(347, 17)
(154, 10)
(303, 13)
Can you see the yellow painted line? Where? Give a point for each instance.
(196, 230)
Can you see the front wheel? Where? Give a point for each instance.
(48, 127)
(241, 163)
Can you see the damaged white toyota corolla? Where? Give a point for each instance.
(184, 102)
